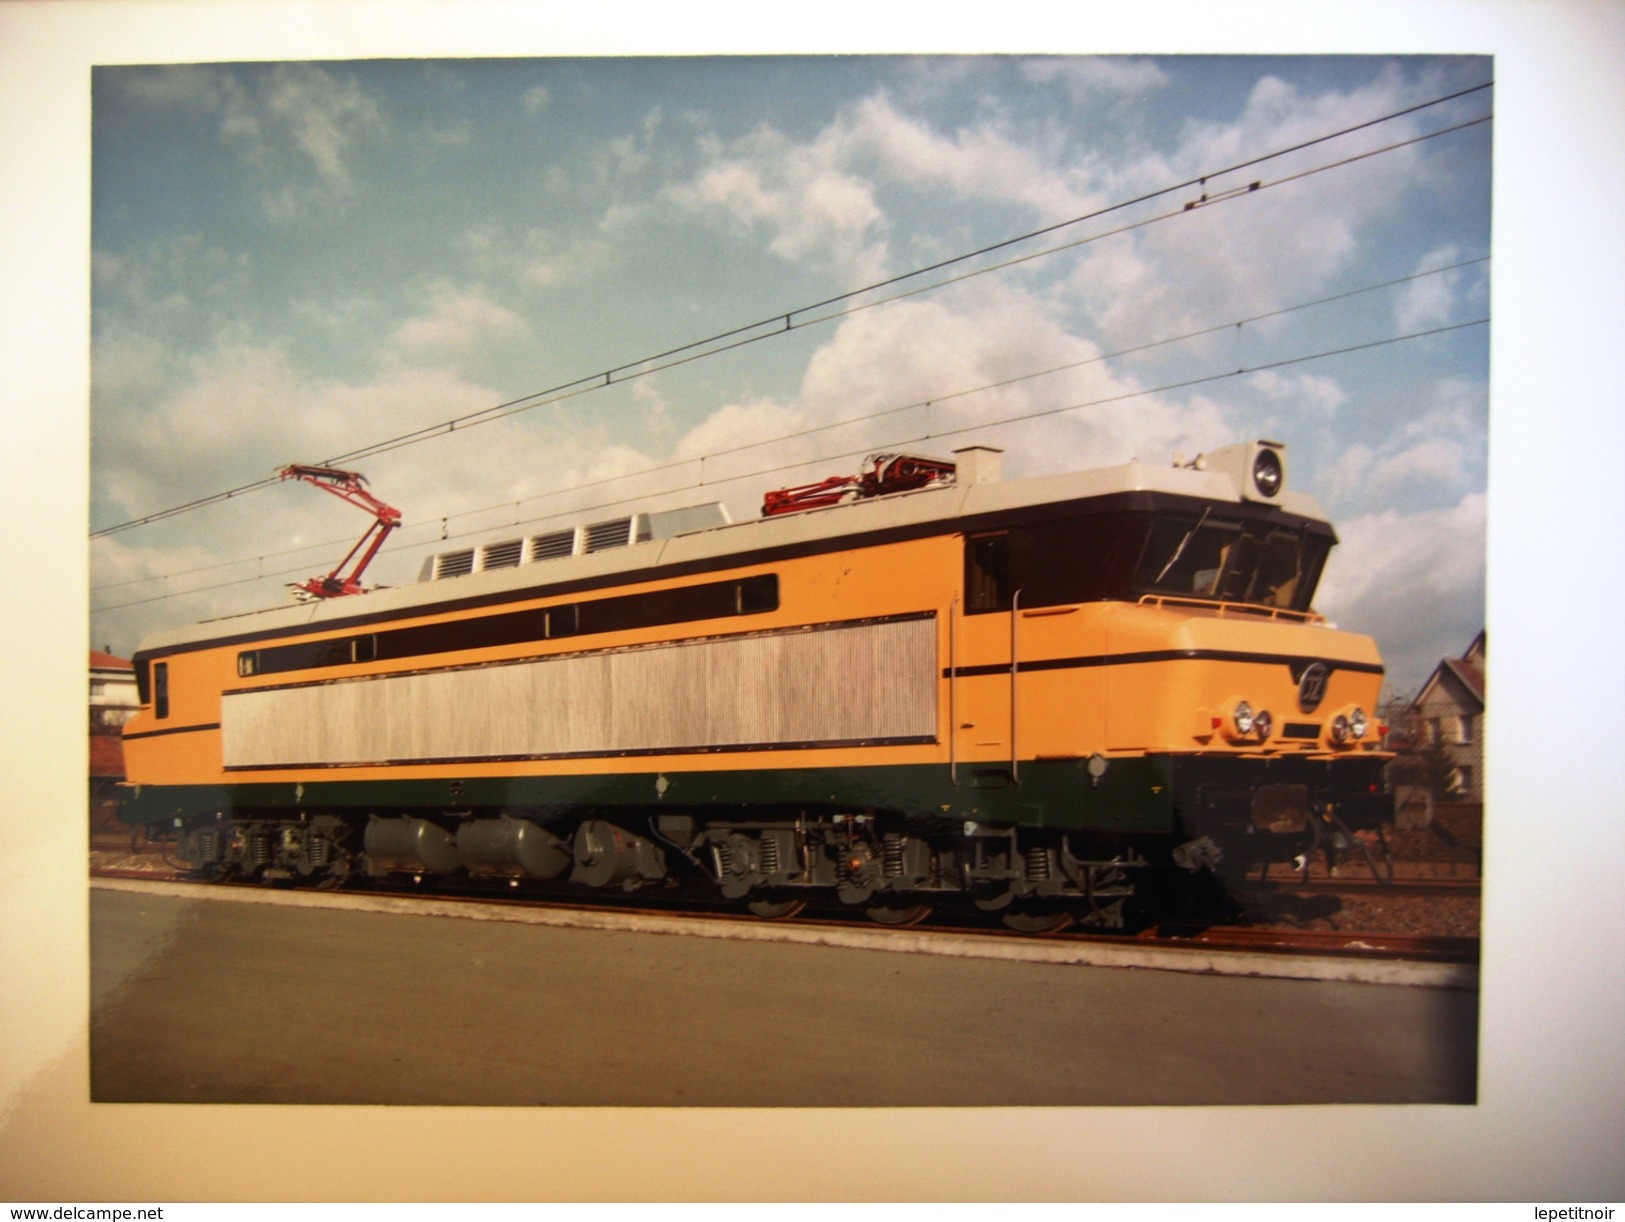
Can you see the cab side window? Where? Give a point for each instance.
(987, 573)
(160, 689)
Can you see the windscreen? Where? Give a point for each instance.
(1208, 556)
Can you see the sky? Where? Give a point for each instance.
(294, 261)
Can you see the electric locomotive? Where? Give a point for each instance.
(1051, 697)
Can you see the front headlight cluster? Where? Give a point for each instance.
(1350, 725)
(1248, 723)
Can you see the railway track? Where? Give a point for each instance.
(1399, 887)
(1347, 944)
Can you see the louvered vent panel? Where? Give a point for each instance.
(840, 684)
(454, 564)
(604, 535)
(504, 555)
(552, 546)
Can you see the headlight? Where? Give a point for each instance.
(1358, 725)
(1340, 729)
(1243, 717)
(1267, 472)
(1263, 724)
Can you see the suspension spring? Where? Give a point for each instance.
(259, 848)
(208, 844)
(1037, 864)
(770, 853)
(891, 855)
(317, 849)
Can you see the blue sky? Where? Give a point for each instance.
(295, 260)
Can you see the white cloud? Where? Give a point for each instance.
(459, 322)
(819, 199)
(322, 115)
(1319, 394)
(814, 209)
(981, 162)
(192, 86)
(128, 367)
(451, 135)
(1246, 255)
(243, 411)
(939, 374)
(1439, 451)
(550, 261)
(744, 424)
(536, 100)
(299, 124)
(175, 290)
(1428, 301)
(1088, 75)
(1390, 566)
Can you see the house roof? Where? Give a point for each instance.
(106, 661)
(1470, 674)
(1468, 680)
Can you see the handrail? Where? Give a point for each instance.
(1222, 608)
(953, 688)
(1015, 618)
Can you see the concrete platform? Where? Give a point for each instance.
(224, 999)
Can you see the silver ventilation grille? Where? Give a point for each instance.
(454, 564)
(504, 555)
(604, 535)
(576, 541)
(550, 547)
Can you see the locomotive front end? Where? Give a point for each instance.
(1260, 715)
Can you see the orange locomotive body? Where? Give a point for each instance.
(1041, 695)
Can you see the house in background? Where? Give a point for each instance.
(1449, 712)
(113, 701)
(113, 698)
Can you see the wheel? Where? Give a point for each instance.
(770, 909)
(1032, 919)
(895, 912)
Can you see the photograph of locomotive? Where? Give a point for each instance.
(1089, 697)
